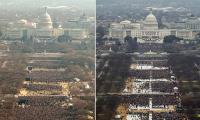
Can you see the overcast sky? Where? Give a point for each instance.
(23, 4)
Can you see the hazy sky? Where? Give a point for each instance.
(22, 4)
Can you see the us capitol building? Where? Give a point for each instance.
(148, 31)
(42, 29)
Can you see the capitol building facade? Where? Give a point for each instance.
(42, 29)
(148, 31)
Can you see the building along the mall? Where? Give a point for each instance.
(148, 30)
(43, 28)
(80, 27)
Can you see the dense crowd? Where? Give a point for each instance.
(41, 113)
(145, 74)
(42, 100)
(159, 100)
(108, 48)
(143, 100)
(36, 87)
(49, 76)
(170, 116)
(53, 108)
(166, 87)
(159, 63)
(150, 46)
(102, 49)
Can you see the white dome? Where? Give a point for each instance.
(46, 17)
(45, 21)
(151, 19)
(150, 22)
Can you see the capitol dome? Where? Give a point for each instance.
(150, 22)
(45, 21)
(151, 18)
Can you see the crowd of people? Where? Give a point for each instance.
(158, 63)
(161, 100)
(38, 87)
(42, 113)
(150, 46)
(156, 86)
(49, 76)
(167, 87)
(53, 108)
(42, 100)
(143, 100)
(102, 49)
(161, 116)
(145, 74)
(170, 116)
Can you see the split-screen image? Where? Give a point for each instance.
(47, 60)
(99, 60)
